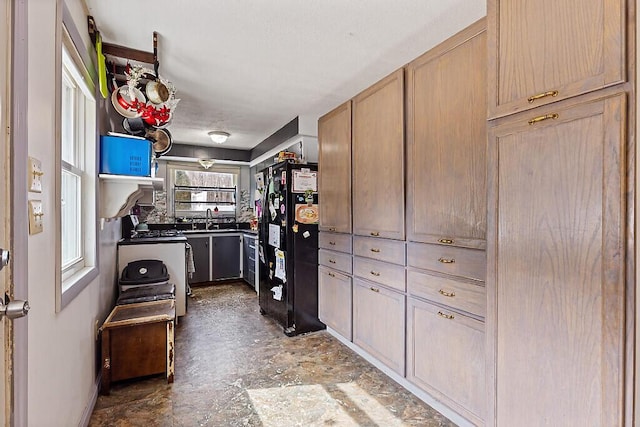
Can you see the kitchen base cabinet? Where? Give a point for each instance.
(334, 300)
(446, 357)
(201, 259)
(249, 260)
(379, 323)
(225, 256)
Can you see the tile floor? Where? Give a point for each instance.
(234, 367)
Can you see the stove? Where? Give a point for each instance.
(146, 234)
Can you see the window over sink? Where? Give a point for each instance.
(195, 191)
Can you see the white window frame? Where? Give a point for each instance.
(171, 169)
(73, 277)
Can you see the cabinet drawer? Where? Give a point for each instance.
(446, 357)
(379, 323)
(380, 249)
(391, 275)
(464, 262)
(334, 301)
(335, 242)
(454, 293)
(336, 260)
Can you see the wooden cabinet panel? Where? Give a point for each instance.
(465, 296)
(445, 357)
(463, 262)
(335, 260)
(387, 274)
(556, 289)
(378, 159)
(334, 301)
(381, 249)
(446, 141)
(561, 48)
(335, 242)
(379, 323)
(334, 169)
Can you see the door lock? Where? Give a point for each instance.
(14, 309)
(5, 256)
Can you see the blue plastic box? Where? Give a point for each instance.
(121, 155)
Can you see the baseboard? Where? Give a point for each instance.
(88, 410)
(420, 394)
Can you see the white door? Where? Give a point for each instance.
(13, 396)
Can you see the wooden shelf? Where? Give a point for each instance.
(118, 193)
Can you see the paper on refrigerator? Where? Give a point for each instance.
(281, 272)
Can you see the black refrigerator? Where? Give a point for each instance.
(288, 251)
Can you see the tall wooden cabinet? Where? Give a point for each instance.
(334, 169)
(378, 159)
(560, 213)
(549, 50)
(557, 285)
(447, 142)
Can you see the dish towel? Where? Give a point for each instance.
(191, 267)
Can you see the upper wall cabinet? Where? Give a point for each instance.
(547, 50)
(446, 142)
(378, 159)
(334, 166)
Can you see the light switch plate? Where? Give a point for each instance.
(35, 216)
(35, 175)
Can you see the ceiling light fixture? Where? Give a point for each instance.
(218, 136)
(206, 163)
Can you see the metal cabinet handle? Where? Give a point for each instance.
(447, 294)
(375, 289)
(447, 260)
(446, 316)
(332, 243)
(446, 241)
(332, 261)
(375, 233)
(374, 273)
(542, 95)
(331, 274)
(543, 118)
(332, 229)
(376, 250)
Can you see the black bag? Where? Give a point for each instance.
(147, 293)
(144, 272)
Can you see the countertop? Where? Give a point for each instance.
(151, 240)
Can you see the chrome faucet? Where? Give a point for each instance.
(208, 218)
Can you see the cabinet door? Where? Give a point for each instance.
(378, 159)
(334, 169)
(447, 142)
(446, 357)
(378, 323)
(334, 300)
(225, 257)
(201, 259)
(555, 286)
(547, 50)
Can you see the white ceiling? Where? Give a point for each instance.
(250, 66)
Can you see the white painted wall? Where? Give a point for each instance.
(62, 363)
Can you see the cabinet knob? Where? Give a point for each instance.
(332, 243)
(447, 260)
(542, 95)
(445, 241)
(447, 294)
(331, 274)
(446, 316)
(332, 229)
(374, 273)
(375, 289)
(376, 250)
(374, 233)
(332, 261)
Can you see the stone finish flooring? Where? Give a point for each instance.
(234, 367)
